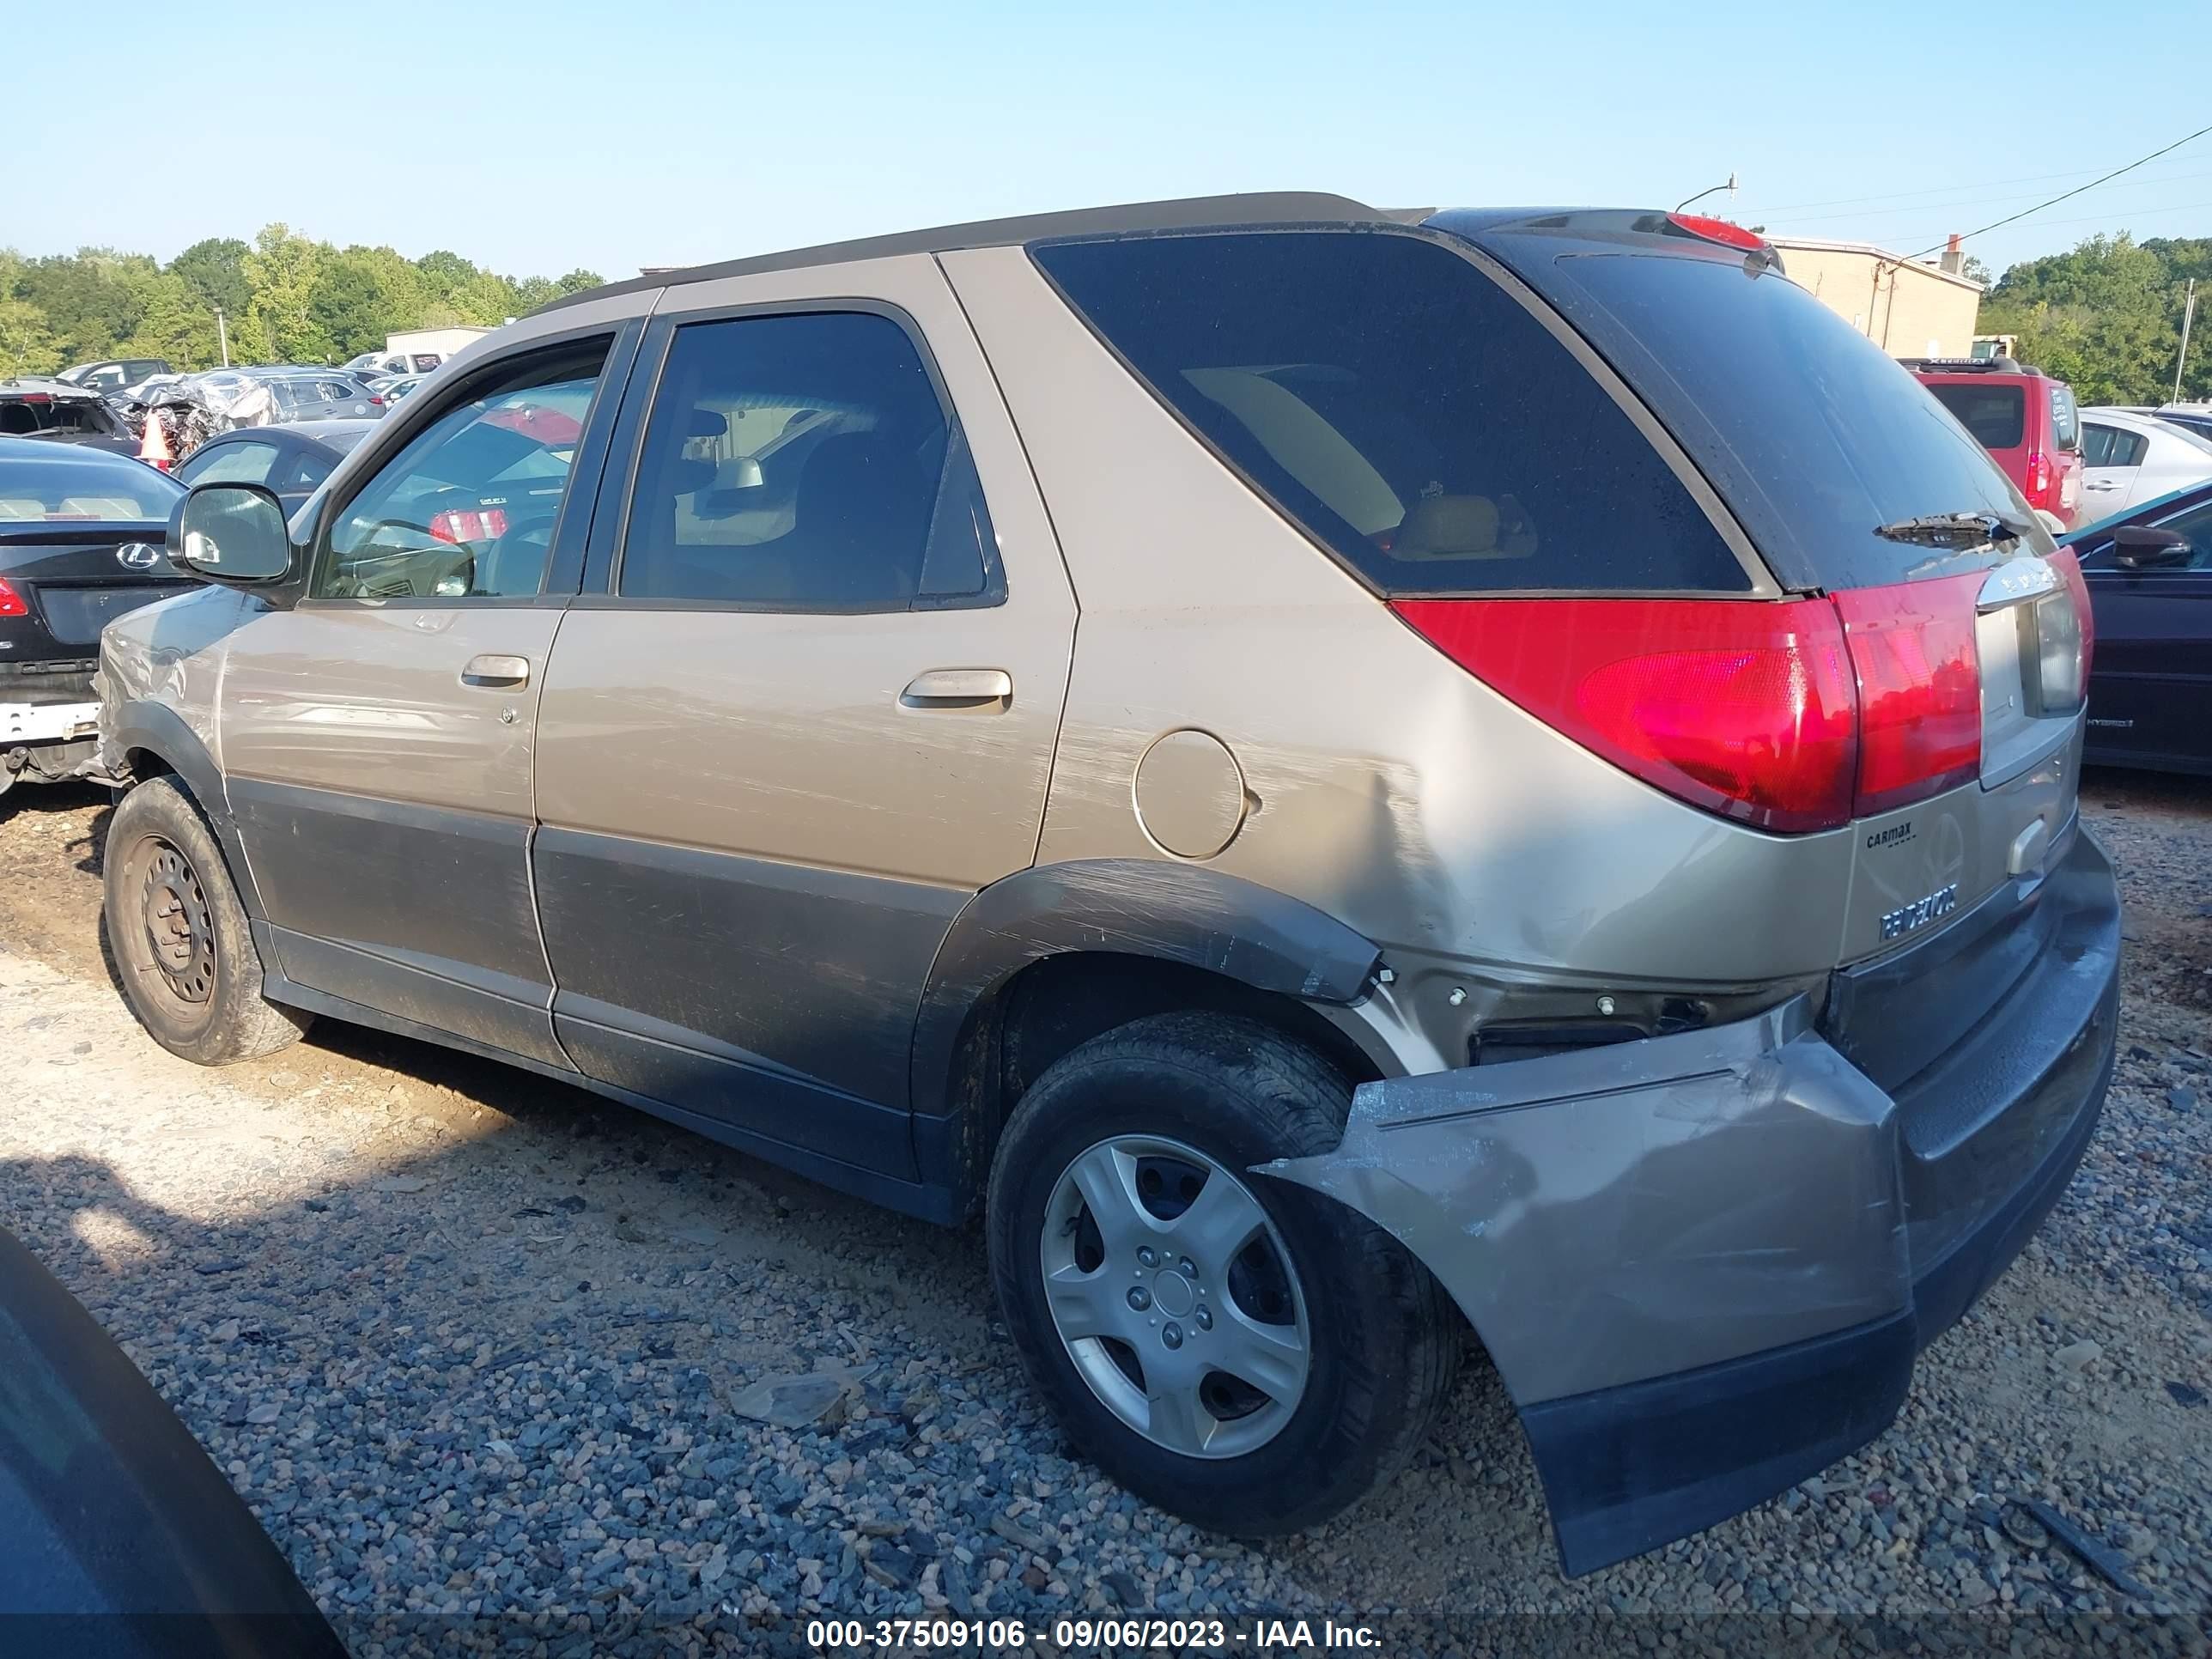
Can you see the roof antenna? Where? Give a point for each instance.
(1730, 187)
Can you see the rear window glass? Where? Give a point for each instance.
(88, 485)
(1812, 435)
(1392, 399)
(1995, 415)
(2065, 419)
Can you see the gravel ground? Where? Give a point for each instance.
(477, 1348)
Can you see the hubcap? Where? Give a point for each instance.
(1176, 1297)
(180, 926)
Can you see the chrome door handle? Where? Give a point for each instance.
(496, 672)
(959, 688)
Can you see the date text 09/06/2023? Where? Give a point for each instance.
(1259, 1636)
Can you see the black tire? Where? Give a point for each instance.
(1382, 1338)
(196, 989)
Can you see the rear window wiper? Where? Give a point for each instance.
(1950, 529)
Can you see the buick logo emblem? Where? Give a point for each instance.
(137, 556)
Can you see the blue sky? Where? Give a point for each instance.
(538, 137)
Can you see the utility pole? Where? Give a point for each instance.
(223, 336)
(2188, 314)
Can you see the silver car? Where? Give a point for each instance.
(1338, 780)
(2128, 458)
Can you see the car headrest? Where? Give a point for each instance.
(1448, 527)
(705, 423)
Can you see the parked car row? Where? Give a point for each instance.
(1542, 824)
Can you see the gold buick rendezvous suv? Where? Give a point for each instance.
(1333, 775)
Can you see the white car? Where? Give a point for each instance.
(2128, 458)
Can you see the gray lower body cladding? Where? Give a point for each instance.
(1702, 1264)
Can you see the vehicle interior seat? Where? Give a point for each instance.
(862, 513)
(1463, 527)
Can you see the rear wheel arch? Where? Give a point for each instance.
(1045, 960)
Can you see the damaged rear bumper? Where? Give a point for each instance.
(1704, 1264)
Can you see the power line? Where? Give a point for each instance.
(2076, 191)
(1932, 190)
(1900, 214)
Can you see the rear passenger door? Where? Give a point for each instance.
(805, 709)
(2112, 463)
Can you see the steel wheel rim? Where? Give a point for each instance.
(1181, 1310)
(176, 924)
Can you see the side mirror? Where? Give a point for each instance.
(2150, 547)
(232, 533)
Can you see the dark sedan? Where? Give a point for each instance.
(292, 459)
(81, 543)
(2149, 572)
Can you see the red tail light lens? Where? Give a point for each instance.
(2039, 479)
(1920, 688)
(1741, 708)
(11, 601)
(1794, 716)
(1718, 230)
(481, 525)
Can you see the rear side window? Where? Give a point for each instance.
(803, 462)
(1995, 415)
(1389, 397)
(2108, 445)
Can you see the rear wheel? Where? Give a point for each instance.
(182, 947)
(1244, 1353)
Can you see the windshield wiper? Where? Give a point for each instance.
(1950, 529)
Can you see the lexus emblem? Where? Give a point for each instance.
(137, 556)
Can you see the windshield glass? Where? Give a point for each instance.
(83, 484)
(1812, 435)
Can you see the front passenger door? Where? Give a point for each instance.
(378, 738)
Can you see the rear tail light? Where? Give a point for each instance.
(1791, 716)
(1920, 688)
(2065, 629)
(1718, 230)
(464, 525)
(11, 601)
(2039, 479)
(1743, 708)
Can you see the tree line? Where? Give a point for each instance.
(2105, 317)
(285, 298)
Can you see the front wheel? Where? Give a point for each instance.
(183, 949)
(1244, 1353)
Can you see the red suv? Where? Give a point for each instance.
(2023, 417)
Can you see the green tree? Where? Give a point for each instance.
(2105, 316)
(486, 299)
(364, 293)
(173, 323)
(27, 345)
(87, 305)
(578, 280)
(445, 272)
(280, 322)
(214, 271)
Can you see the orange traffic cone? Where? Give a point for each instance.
(154, 448)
